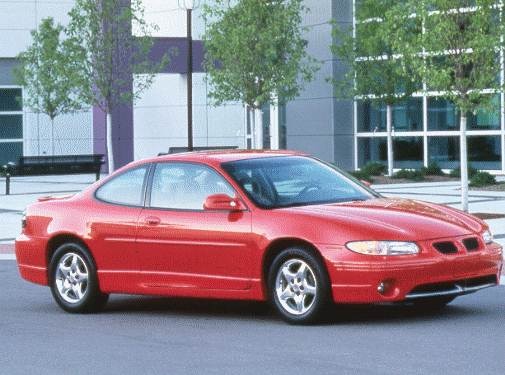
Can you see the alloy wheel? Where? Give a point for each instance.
(296, 286)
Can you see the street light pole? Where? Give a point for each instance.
(189, 5)
(190, 80)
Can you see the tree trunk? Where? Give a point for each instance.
(463, 156)
(258, 122)
(52, 136)
(110, 150)
(389, 129)
(252, 115)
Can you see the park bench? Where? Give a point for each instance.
(53, 165)
(179, 149)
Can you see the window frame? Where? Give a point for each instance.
(15, 113)
(147, 202)
(147, 166)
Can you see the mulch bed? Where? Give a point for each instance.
(385, 180)
(487, 216)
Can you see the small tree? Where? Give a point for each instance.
(457, 55)
(107, 54)
(255, 53)
(47, 77)
(374, 72)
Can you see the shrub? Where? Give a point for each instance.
(373, 169)
(482, 179)
(432, 170)
(361, 175)
(456, 172)
(409, 174)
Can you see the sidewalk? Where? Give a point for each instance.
(25, 190)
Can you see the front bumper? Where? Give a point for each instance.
(357, 278)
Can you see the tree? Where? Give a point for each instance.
(255, 53)
(374, 72)
(107, 55)
(46, 73)
(456, 55)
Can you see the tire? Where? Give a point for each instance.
(73, 280)
(433, 304)
(298, 286)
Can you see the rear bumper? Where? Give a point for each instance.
(30, 255)
(357, 278)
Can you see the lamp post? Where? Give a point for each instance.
(188, 6)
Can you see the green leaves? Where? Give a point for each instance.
(457, 55)
(374, 70)
(255, 51)
(107, 54)
(48, 73)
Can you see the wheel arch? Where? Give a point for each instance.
(58, 240)
(280, 244)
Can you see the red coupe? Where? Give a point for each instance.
(278, 226)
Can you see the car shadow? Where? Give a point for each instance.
(251, 310)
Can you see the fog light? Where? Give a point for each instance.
(381, 288)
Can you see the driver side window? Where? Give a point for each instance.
(185, 186)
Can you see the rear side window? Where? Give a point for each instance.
(125, 189)
(186, 186)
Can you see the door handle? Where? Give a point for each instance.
(152, 220)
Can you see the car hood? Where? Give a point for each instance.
(384, 218)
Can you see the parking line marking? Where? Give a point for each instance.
(7, 256)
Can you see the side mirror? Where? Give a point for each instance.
(223, 202)
(366, 183)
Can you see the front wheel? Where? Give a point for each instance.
(73, 280)
(298, 286)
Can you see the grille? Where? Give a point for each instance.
(471, 244)
(446, 247)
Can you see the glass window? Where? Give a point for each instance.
(276, 182)
(486, 119)
(408, 152)
(444, 151)
(372, 149)
(11, 126)
(126, 188)
(484, 152)
(442, 115)
(408, 116)
(186, 186)
(10, 151)
(10, 100)
(371, 116)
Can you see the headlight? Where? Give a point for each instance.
(487, 236)
(383, 247)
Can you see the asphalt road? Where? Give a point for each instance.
(144, 335)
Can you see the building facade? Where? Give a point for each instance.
(341, 131)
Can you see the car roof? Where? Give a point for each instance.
(222, 156)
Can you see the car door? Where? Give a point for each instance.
(180, 244)
(113, 228)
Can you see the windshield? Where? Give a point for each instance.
(294, 181)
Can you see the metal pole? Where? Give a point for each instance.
(190, 81)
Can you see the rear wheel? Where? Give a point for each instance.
(298, 286)
(73, 280)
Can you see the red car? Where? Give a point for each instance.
(278, 226)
